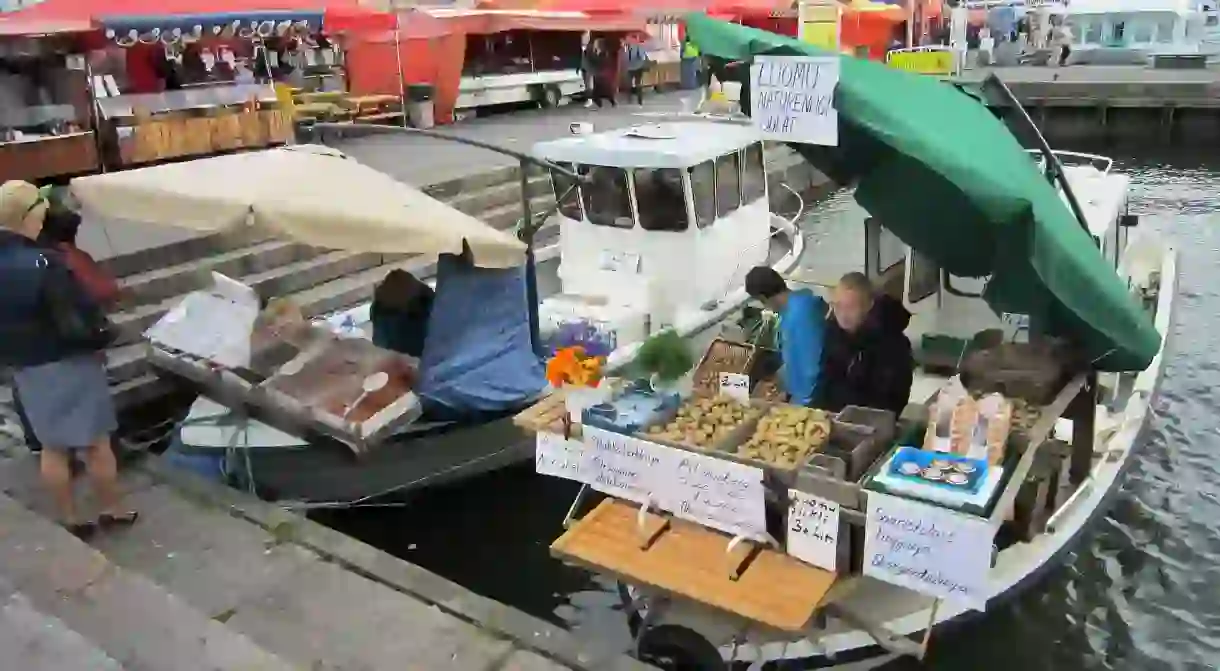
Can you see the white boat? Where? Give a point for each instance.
(1130, 31)
(876, 622)
(694, 191)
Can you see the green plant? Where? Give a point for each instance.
(665, 355)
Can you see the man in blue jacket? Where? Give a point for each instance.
(802, 322)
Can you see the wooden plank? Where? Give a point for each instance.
(690, 561)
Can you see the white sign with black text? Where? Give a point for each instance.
(735, 386)
(813, 529)
(792, 98)
(559, 457)
(928, 549)
(721, 494)
(624, 466)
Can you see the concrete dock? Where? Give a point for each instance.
(1120, 103)
(212, 579)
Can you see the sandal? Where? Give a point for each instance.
(82, 530)
(108, 521)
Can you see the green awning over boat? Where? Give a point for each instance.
(938, 169)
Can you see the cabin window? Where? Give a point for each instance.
(728, 185)
(1141, 31)
(1093, 30)
(703, 189)
(890, 251)
(566, 193)
(606, 198)
(925, 278)
(660, 198)
(1165, 29)
(753, 176)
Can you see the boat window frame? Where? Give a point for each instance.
(630, 195)
(686, 200)
(690, 175)
(580, 203)
(742, 165)
(736, 172)
(914, 261)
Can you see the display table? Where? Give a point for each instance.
(42, 156)
(146, 128)
(690, 560)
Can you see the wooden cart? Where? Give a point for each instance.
(663, 563)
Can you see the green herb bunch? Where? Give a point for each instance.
(665, 355)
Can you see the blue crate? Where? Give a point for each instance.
(923, 459)
(633, 411)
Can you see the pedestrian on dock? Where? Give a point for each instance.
(602, 65)
(638, 63)
(53, 335)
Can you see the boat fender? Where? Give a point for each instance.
(675, 648)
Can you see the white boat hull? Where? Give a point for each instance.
(1017, 568)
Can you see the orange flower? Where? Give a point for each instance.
(570, 366)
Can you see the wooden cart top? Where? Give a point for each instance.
(691, 561)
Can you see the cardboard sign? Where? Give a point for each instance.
(813, 529)
(792, 98)
(928, 549)
(735, 386)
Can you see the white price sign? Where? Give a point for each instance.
(735, 386)
(813, 529)
(792, 98)
(928, 549)
(559, 457)
(623, 466)
(721, 494)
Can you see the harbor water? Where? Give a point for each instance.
(1138, 593)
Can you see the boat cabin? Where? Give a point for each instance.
(672, 215)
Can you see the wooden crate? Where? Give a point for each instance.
(197, 134)
(150, 142)
(226, 132)
(253, 131)
(278, 125)
(544, 416)
(688, 560)
(707, 373)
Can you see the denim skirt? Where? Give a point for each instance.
(67, 402)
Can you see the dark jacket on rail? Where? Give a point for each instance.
(44, 311)
(872, 367)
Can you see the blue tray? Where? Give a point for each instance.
(633, 411)
(974, 470)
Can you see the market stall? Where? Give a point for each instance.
(46, 121)
(765, 516)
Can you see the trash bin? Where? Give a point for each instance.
(420, 106)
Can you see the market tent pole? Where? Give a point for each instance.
(911, 23)
(402, 85)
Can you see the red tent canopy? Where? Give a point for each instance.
(20, 26)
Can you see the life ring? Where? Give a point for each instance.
(675, 648)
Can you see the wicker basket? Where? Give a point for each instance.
(707, 373)
(197, 136)
(253, 131)
(278, 125)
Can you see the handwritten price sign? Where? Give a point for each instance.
(736, 386)
(813, 529)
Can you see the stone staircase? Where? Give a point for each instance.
(210, 579)
(323, 281)
(319, 280)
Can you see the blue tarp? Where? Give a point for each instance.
(478, 356)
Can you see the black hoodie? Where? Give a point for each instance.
(872, 367)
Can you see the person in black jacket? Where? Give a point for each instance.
(866, 357)
(53, 335)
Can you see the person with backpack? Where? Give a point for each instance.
(53, 335)
(638, 63)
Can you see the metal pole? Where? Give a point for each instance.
(911, 22)
(402, 85)
(441, 135)
(531, 273)
(1052, 161)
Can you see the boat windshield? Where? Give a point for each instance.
(606, 198)
(661, 199)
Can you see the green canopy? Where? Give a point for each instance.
(938, 169)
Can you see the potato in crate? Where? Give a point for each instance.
(704, 422)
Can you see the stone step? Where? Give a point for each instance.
(278, 281)
(34, 641)
(476, 203)
(135, 622)
(166, 281)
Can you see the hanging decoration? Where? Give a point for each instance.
(185, 29)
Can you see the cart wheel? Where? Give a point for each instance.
(551, 96)
(675, 648)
